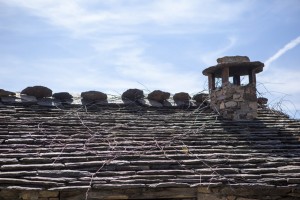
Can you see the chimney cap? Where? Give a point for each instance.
(239, 65)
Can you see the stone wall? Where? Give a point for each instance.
(209, 192)
(235, 102)
(29, 195)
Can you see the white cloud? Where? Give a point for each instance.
(209, 58)
(121, 16)
(292, 44)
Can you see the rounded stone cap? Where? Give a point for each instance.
(62, 95)
(181, 96)
(93, 96)
(133, 94)
(158, 95)
(37, 91)
(238, 65)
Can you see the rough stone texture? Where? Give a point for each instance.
(94, 96)
(28, 194)
(201, 97)
(62, 96)
(181, 96)
(48, 193)
(235, 102)
(262, 100)
(142, 152)
(37, 91)
(158, 95)
(233, 59)
(133, 94)
(4, 93)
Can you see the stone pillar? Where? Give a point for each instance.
(225, 75)
(211, 82)
(252, 77)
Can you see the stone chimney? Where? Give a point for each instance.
(232, 99)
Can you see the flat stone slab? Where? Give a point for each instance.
(233, 59)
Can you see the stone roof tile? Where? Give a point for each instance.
(139, 146)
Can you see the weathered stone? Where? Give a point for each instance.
(201, 196)
(230, 104)
(222, 97)
(151, 103)
(205, 190)
(254, 190)
(250, 97)
(262, 100)
(26, 98)
(200, 97)
(29, 195)
(253, 105)
(233, 59)
(222, 106)
(8, 194)
(158, 95)
(234, 105)
(46, 193)
(133, 94)
(231, 198)
(293, 180)
(181, 96)
(236, 96)
(37, 91)
(5, 93)
(94, 96)
(62, 96)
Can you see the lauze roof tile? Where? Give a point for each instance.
(135, 146)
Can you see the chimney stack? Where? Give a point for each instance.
(232, 99)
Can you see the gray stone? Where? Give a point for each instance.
(151, 103)
(9, 194)
(27, 98)
(133, 94)
(62, 96)
(222, 106)
(231, 104)
(29, 195)
(47, 102)
(200, 97)
(94, 96)
(253, 105)
(181, 96)
(262, 100)
(4, 93)
(37, 91)
(158, 95)
(236, 96)
(250, 97)
(233, 59)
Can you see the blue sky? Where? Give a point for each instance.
(113, 45)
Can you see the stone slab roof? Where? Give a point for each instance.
(134, 145)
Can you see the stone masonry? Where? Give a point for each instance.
(235, 102)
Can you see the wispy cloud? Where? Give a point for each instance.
(81, 17)
(292, 44)
(209, 58)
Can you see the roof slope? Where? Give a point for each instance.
(126, 146)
